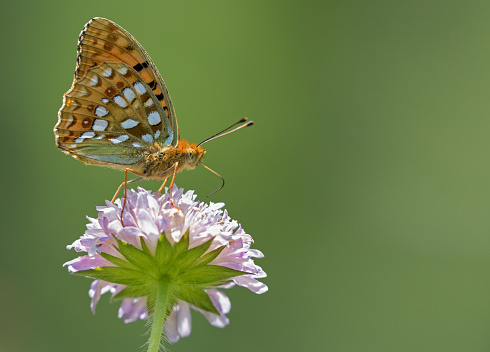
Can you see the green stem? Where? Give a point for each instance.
(163, 300)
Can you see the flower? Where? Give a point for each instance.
(194, 249)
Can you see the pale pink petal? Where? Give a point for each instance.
(184, 322)
(220, 300)
(98, 288)
(171, 328)
(250, 283)
(86, 263)
(219, 321)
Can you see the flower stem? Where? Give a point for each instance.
(163, 300)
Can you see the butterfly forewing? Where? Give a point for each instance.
(118, 105)
(105, 41)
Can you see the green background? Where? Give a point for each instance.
(365, 180)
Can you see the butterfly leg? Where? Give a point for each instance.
(176, 167)
(125, 183)
(163, 185)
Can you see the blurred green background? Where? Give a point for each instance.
(365, 180)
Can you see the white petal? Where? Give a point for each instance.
(220, 300)
(215, 320)
(184, 322)
(171, 328)
(252, 284)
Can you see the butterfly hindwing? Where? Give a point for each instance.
(111, 115)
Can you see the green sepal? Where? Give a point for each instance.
(181, 246)
(117, 275)
(134, 292)
(197, 297)
(208, 275)
(191, 256)
(143, 261)
(118, 261)
(144, 246)
(164, 251)
(208, 257)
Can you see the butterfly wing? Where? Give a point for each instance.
(118, 104)
(111, 117)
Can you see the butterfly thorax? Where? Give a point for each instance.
(160, 164)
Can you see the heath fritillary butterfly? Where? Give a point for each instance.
(118, 112)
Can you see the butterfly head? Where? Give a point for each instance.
(193, 154)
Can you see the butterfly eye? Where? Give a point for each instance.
(190, 155)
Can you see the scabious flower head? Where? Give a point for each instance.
(196, 248)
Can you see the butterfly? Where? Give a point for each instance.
(118, 112)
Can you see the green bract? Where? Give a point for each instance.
(186, 272)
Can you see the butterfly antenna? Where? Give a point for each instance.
(222, 133)
(222, 185)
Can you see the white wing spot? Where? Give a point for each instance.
(105, 100)
(157, 134)
(119, 139)
(123, 70)
(107, 72)
(154, 118)
(129, 94)
(129, 123)
(149, 102)
(140, 88)
(120, 101)
(137, 145)
(147, 138)
(100, 111)
(73, 145)
(169, 138)
(94, 80)
(87, 135)
(83, 92)
(83, 136)
(99, 125)
(70, 120)
(100, 137)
